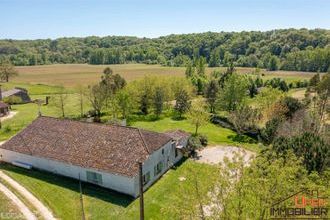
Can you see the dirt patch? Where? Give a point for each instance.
(11, 114)
(216, 154)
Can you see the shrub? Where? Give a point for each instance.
(194, 143)
(7, 129)
(203, 139)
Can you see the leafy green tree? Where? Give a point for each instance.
(190, 70)
(273, 63)
(211, 94)
(233, 93)
(158, 101)
(244, 119)
(7, 70)
(97, 99)
(269, 132)
(144, 104)
(182, 102)
(311, 147)
(292, 105)
(124, 102)
(315, 80)
(197, 115)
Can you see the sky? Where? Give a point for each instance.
(36, 19)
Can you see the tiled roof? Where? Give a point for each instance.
(110, 148)
(177, 134)
(3, 105)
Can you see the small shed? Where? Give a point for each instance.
(16, 92)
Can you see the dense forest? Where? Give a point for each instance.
(287, 49)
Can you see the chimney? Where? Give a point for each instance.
(0, 93)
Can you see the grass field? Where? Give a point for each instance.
(70, 75)
(104, 204)
(8, 210)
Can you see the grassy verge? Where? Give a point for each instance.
(8, 210)
(216, 134)
(23, 199)
(62, 194)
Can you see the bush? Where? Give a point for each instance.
(7, 129)
(194, 143)
(11, 100)
(203, 139)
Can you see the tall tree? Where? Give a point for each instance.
(158, 101)
(60, 101)
(211, 94)
(182, 102)
(7, 70)
(197, 115)
(124, 102)
(233, 93)
(97, 99)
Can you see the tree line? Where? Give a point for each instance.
(287, 49)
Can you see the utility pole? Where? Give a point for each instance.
(81, 200)
(141, 192)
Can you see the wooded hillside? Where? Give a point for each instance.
(287, 49)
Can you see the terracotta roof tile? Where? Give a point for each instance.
(3, 105)
(110, 148)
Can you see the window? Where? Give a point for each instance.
(163, 151)
(94, 177)
(158, 168)
(176, 152)
(146, 178)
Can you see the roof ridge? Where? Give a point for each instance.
(85, 122)
(144, 142)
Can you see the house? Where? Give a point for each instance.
(17, 92)
(105, 155)
(4, 109)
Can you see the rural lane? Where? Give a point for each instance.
(42, 210)
(19, 204)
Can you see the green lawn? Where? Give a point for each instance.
(8, 210)
(26, 113)
(62, 194)
(215, 134)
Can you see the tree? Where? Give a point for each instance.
(292, 105)
(315, 80)
(60, 101)
(97, 99)
(158, 101)
(190, 70)
(269, 132)
(273, 63)
(200, 66)
(182, 103)
(124, 102)
(197, 115)
(244, 118)
(81, 96)
(233, 93)
(144, 104)
(7, 70)
(211, 94)
(310, 146)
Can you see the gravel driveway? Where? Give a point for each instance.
(216, 154)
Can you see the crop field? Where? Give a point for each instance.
(70, 75)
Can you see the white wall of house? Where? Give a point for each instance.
(166, 155)
(123, 184)
(115, 182)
